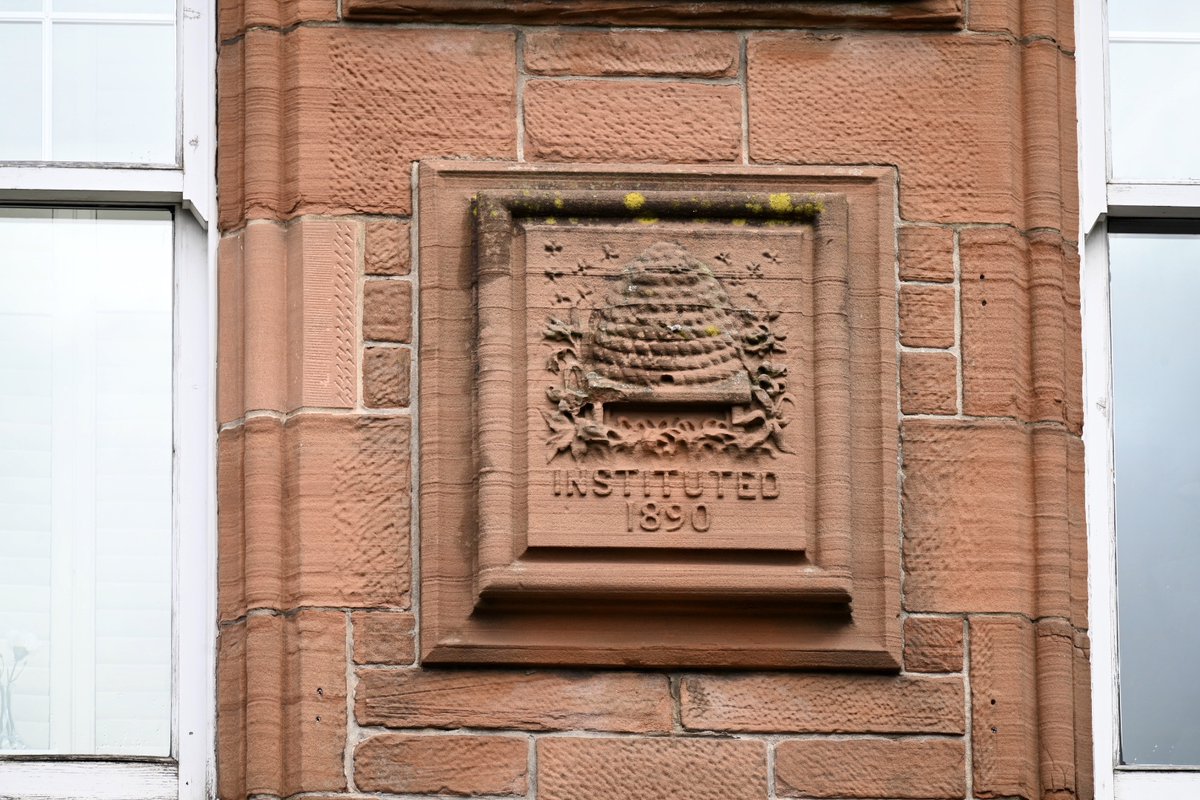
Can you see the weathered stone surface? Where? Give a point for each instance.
(822, 704)
(288, 317)
(869, 768)
(945, 109)
(383, 637)
(387, 311)
(235, 16)
(538, 701)
(327, 120)
(1004, 735)
(386, 376)
(388, 251)
(282, 704)
(933, 644)
(1020, 312)
(314, 512)
(632, 121)
(1040, 18)
(650, 769)
(926, 254)
(926, 316)
(457, 765)
(614, 52)
(968, 517)
(928, 383)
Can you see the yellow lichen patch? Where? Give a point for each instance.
(647, 220)
(781, 202)
(754, 208)
(712, 330)
(635, 200)
(738, 221)
(551, 221)
(558, 202)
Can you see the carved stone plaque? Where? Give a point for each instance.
(658, 407)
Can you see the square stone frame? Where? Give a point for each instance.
(487, 598)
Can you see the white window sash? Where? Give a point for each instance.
(190, 772)
(1100, 200)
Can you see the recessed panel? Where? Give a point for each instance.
(665, 405)
(659, 412)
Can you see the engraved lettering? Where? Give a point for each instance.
(674, 515)
(577, 482)
(650, 520)
(770, 486)
(557, 490)
(746, 489)
(700, 518)
(600, 483)
(624, 474)
(699, 488)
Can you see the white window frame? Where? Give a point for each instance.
(1100, 200)
(190, 190)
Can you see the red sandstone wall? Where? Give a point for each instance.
(320, 121)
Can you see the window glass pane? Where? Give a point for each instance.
(115, 6)
(1154, 118)
(85, 481)
(1160, 16)
(20, 5)
(21, 100)
(114, 93)
(1156, 380)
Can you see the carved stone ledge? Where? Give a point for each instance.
(659, 412)
(903, 14)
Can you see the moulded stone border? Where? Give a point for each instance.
(488, 597)
(902, 14)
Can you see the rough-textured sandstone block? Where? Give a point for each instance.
(822, 704)
(287, 317)
(612, 52)
(945, 109)
(933, 644)
(458, 765)
(927, 254)
(383, 637)
(899, 768)
(632, 121)
(968, 517)
(282, 704)
(386, 376)
(650, 769)
(1004, 735)
(928, 383)
(387, 311)
(540, 701)
(328, 119)
(387, 247)
(1042, 18)
(996, 323)
(1020, 312)
(235, 16)
(314, 512)
(927, 316)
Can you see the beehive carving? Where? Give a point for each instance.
(667, 332)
